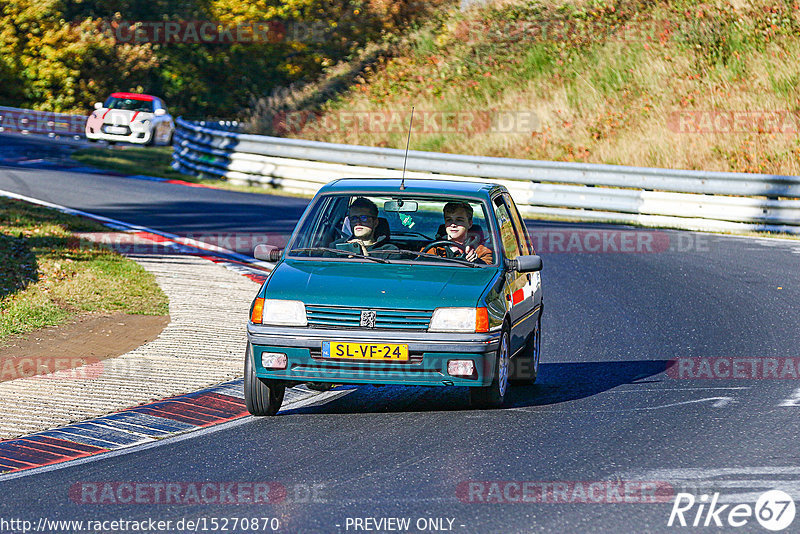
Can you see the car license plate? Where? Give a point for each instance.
(365, 351)
(116, 130)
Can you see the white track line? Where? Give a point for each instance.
(121, 225)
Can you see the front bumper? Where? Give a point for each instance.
(137, 137)
(427, 366)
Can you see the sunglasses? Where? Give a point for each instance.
(360, 218)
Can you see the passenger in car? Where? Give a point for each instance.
(457, 225)
(370, 233)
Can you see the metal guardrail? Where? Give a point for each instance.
(216, 124)
(696, 200)
(27, 121)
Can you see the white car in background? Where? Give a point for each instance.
(131, 118)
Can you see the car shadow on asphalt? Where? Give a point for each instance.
(557, 383)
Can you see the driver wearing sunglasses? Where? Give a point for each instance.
(363, 218)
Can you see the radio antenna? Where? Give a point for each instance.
(408, 141)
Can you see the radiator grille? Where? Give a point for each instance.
(346, 317)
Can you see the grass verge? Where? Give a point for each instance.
(150, 161)
(156, 161)
(627, 82)
(48, 274)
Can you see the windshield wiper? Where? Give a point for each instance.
(339, 251)
(428, 255)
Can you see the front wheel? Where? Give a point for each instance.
(494, 395)
(319, 386)
(262, 396)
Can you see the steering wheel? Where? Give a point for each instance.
(447, 244)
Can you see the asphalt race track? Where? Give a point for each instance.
(611, 417)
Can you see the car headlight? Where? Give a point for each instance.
(279, 312)
(459, 320)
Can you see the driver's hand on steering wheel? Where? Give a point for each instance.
(470, 254)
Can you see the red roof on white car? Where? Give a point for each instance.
(134, 96)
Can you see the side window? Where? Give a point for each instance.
(320, 231)
(524, 238)
(507, 234)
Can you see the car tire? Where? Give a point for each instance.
(525, 367)
(262, 396)
(319, 386)
(494, 395)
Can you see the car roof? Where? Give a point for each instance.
(134, 96)
(413, 186)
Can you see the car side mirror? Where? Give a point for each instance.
(525, 264)
(267, 253)
(160, 112)
(98, 105)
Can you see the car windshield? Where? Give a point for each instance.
(129, 104)
(396, 228)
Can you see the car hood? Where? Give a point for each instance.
(407, 286)
(122, 117)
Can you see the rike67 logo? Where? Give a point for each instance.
(774, 510)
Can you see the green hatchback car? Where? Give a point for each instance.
(415, 282)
